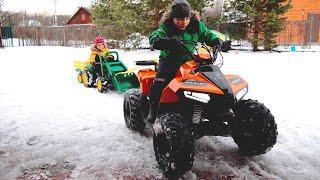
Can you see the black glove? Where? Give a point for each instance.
(226, 46)
(216, 43)
(166, 44)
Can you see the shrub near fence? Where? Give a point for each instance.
(236, 31)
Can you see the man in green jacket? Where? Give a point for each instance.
(178, 23)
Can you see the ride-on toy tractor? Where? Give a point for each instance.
(199, 101)
(115, 75)
(111, 73)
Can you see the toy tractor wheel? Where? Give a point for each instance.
(79, 77)
(254, 129)
(132, 108)
(87, 79)
(173, 143)
(101, 85)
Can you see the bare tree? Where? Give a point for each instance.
(213, 9)
(1, 3)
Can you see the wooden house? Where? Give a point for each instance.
(82, 16)
(303, 24)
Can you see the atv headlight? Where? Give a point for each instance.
(202, 97)
(240, 94)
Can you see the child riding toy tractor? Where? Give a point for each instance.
(109, 73)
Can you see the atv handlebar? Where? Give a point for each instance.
(213, 57)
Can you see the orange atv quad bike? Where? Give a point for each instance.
(199, 101)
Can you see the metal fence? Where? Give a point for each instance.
(76, 36)
(59, 36)
(302, 33)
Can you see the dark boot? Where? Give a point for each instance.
(153, 112)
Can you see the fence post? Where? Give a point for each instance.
(37, 37)
(12, 44)
(1, 45)
(22, 39)
(64, 36)
(310, 32)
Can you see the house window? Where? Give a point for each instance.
(83, 16)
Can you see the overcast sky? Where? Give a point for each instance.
(45, 6)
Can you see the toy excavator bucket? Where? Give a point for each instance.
(122, 77)
(126, 81)
(79, 65)
(129, 71)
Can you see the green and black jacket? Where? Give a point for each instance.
(196, 31)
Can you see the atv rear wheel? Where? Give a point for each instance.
(132, 109)
(101, 85)
(87, 79)
(173, 145)
(79, 77)
(254, 129)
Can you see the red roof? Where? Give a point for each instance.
(82, 16)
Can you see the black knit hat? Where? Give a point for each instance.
(180, 9)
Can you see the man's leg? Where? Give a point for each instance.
(166, 72)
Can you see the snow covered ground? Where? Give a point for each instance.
(53, 127)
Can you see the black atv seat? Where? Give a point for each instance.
(146, 63)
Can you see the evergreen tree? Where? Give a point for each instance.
(116, 13)
(199, 5)
(263, 18)
(132, 16)
(274, 21)
(157, 7)
(155, 10)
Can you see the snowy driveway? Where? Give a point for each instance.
(51, 126)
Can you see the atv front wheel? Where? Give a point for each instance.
(101, 85)
(79, 77)
(254, 129)
(132, 109)
(173, 145)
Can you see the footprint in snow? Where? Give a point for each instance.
(33, 140)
